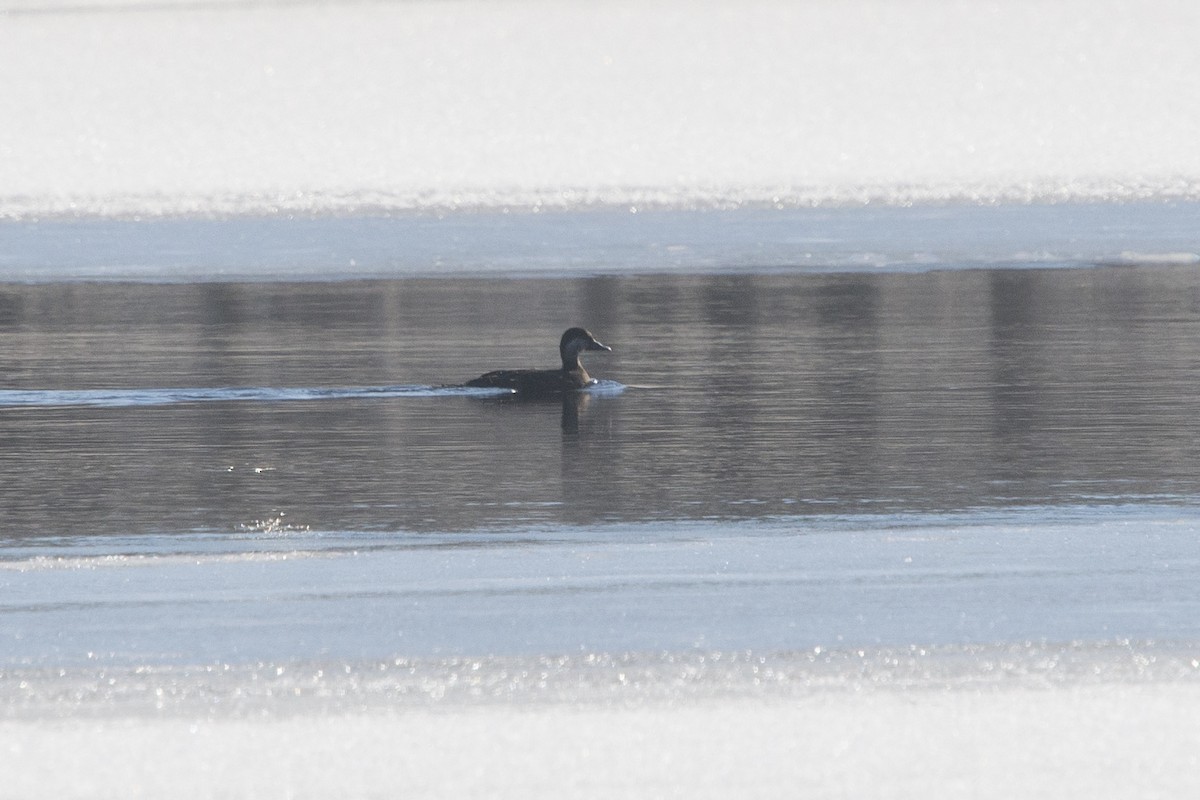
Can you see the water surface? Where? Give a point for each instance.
(171, 408)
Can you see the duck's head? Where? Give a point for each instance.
(576, 341)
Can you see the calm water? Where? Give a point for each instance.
(748, 396)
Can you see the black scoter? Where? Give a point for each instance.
(548, 382)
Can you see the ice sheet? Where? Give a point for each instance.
(280, 594)
(1100, 741)
(603, 242)
(150, 108)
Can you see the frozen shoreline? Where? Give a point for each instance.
(323, 688)
(1091, 738)
(448, 105)
(1022, 720)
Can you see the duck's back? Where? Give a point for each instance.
(532, 381)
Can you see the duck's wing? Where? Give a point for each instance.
(500, 379)
(529, 382)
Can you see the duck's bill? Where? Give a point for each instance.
(595, 345)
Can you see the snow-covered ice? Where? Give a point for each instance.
(1109, 741)
(145, 108)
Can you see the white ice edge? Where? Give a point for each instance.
(287, 687)
(313, 202)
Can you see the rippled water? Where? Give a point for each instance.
(161, 408)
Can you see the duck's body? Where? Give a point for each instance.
(534, 382)
(571, 377)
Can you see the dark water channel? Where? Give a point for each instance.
(749, 396)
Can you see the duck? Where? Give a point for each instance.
(570, 377)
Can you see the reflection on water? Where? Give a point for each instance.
(749, 396)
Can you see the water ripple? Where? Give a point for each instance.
(122, 398)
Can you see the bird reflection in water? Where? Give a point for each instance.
(574, 406)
